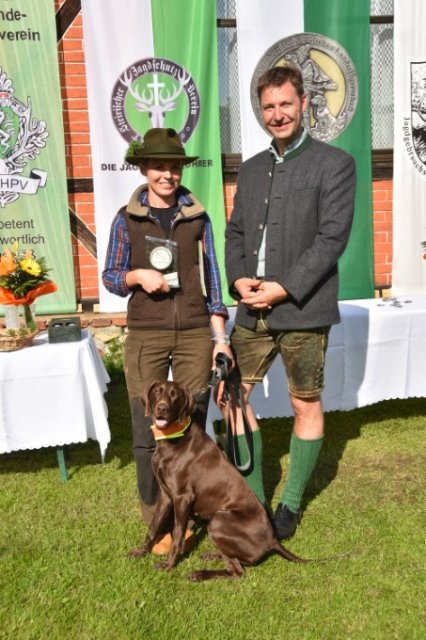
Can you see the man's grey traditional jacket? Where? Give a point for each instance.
(307, 203)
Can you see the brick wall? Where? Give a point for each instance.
(78, 152)
(382, 228)
(79, 167)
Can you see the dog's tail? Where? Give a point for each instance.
(285, 553)
(288, 555)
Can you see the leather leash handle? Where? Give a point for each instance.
(232, 437)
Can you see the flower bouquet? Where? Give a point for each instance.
(23, 278)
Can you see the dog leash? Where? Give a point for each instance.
(232, 394)
(231, 437)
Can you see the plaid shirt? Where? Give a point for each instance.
(118, 258)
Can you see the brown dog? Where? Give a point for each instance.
(196, 478)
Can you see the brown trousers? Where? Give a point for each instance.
(151, 355)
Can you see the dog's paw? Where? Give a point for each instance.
(137, 553)
(164, 566)
(198, 576)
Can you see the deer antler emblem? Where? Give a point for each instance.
(155, 99)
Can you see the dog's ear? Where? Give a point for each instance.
(189, 405)
(145, 397)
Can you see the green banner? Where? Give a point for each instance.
(179, 28)
(348, 23)
(33, 193)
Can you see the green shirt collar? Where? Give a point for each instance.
(291, 147)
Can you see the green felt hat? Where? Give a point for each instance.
(158, 143)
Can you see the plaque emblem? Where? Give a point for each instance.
(155, 92)
(414, 125)
(329, 77)
(21, 138)
(418, 110)
(161, 258)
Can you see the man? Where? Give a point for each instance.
(161, 252)
(291, 221)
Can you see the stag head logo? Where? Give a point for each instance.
(155, 92)
(22, 137)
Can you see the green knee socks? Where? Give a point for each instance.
(254, 478)
(303, 459)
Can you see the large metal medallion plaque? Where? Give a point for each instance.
(329, 76)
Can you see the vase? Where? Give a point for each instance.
(29, 316)
(11, 316)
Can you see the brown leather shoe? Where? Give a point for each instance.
(163, 546)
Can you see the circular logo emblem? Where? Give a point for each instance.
(22, 136)
(161, 258)
(421, 109)
(329, 77)
(155, 92)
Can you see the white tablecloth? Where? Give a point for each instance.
(53, 395)
(377, 352)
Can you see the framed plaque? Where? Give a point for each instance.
(163, 256)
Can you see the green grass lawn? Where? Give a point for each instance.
(65, 574)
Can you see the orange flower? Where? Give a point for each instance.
(22, 277)
(7, 263)
(7, 297)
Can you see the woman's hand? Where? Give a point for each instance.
(150, 280)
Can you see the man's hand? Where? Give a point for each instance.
(264, 296)
(246, 286)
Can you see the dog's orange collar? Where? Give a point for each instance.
(175, 430)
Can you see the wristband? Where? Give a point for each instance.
(222, 339)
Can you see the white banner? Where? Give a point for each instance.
(110, 47)
(258, 30)
(409, 178)
(152, 63)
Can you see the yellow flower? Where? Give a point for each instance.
(31, 266)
